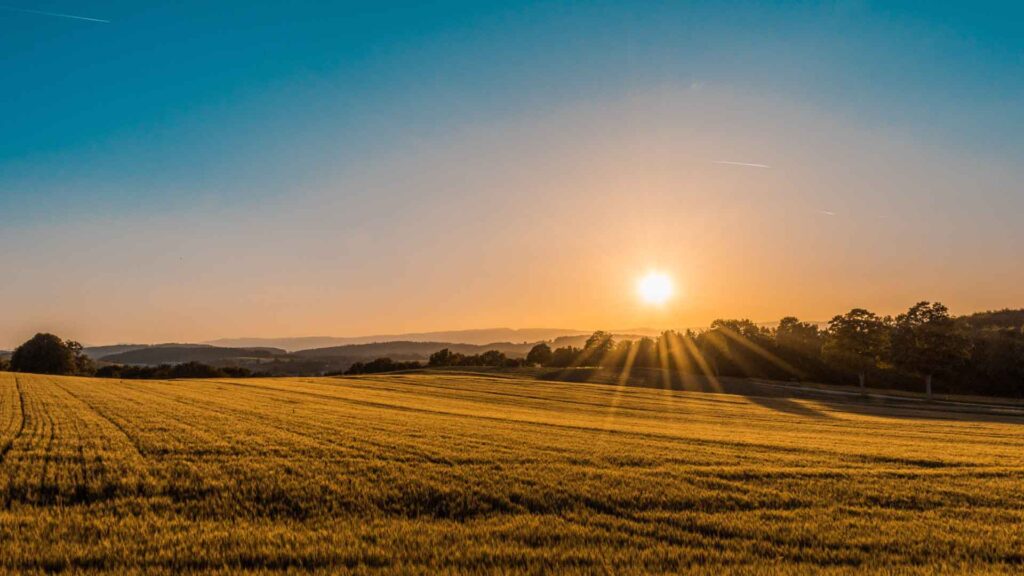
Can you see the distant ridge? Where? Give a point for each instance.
(176, 354)
(97, 352)
(477, 337)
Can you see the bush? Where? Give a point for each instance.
(48, 354)
(539, 355)
(379, 365)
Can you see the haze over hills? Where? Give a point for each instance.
(98, 352)
(153, 355)
(478, 337)
(319, 360)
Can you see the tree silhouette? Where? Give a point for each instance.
(48, 354)
(597, 346)
(443, 357)
(564, 357)
(539, 354)
(927, 342)
(802, 338)
(492, 358)
(856, 341)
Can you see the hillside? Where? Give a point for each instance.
(413, 350)
(519, 476)
(313, 361)
(174, 354)
(410, 350)
(97, 352)
(477, 337)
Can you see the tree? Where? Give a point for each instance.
(736, 348)
(996, 364)
(798, 344)
(539, 355)
(195, 370)
(444, 357)
(492, 358)
(379, 365)
(927, 342)
(618, 356)
(83, 364)
(564, 357)
(856, 341)
(645, 353)
(597, 347)
(802, 338)
(48, 354)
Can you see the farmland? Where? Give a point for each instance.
(473, 473)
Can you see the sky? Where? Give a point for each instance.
(184, 171)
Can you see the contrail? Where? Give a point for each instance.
(55, 14)
(827, 212)
(747, 164)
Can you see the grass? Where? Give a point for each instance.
(428, 473)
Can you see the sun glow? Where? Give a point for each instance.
(654, 288)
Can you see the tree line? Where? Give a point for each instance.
(444, 357)
(923, 348)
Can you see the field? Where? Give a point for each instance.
(428, 473)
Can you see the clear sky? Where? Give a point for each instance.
(181, 171)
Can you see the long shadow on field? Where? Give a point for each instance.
(780, 396)
(788, 406)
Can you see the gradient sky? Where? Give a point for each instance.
(182, 171)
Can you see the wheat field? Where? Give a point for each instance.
(434, 473)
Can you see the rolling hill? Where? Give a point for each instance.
(314, 361)
(478, 337)
(176, 354)
(410, 350)
(98, 352)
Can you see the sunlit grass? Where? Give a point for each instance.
(471, 473)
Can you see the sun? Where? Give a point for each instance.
(654, 288)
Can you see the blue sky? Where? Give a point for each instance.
(194, 115)
(172, 98)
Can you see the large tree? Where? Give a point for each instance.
(856, 341)
(492, 358)
(539, 354)
(738, 347)
(599, 345)
(802, 338)
(564, 357)
(927, 342)
(48, 354)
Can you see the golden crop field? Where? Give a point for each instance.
(429, 473)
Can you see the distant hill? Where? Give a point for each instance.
(407, 350)
(97, 352)
(411, 350)
(478, 337)
(277, 360)
(177, 354)
(994, 319)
